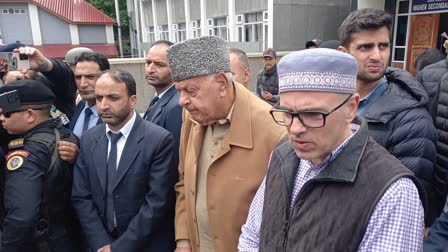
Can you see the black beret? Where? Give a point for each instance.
(10, 47)
(31, 92)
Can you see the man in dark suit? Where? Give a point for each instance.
(123, 183)
(87, 68)
(164, 109)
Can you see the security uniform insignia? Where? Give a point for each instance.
(14, 144)
(15, 159)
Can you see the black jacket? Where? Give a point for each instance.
(267, 80)
(144, 195)
(430, 78)
(37, 193)
(399, 122)
(441, 165)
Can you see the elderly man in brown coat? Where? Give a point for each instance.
(226, 139)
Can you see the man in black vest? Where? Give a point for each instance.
(331, 187)
(37, 183)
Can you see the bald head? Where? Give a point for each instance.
(239, 66)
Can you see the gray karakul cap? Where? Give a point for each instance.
(72, 55)
(197, 57)
(319, 69)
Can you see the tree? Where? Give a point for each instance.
(108, 8)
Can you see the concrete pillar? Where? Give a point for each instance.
(373, 4)
(204, 25)
(35, 24)
(232, 27)
(189, 29)
(74, 34)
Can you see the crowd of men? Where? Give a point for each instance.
(334, 151)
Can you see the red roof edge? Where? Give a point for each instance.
(59, 50)
(80, 13)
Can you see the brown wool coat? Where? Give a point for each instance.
(234, 174)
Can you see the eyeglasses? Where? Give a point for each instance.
(310, 119)
(8, 114)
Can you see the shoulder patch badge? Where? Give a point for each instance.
(15, 159)
(14, 144)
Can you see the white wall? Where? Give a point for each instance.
(373, 4)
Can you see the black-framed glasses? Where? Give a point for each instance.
(310, 119)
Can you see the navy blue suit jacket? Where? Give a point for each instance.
(143, 194)
(78, 111)
(167, 113)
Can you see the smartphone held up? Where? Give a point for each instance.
(10, 61)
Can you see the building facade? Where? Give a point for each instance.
(418, 25)
(251, 25)
(54, 27)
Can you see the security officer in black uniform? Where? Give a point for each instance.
(37, 184)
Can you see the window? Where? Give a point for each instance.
(253, 27)
(151, 34)
(219, 27)
(196, 27)
(401, 31)
(164, 32)
(180, 32)
(13, 11)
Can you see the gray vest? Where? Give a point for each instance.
(332, 210)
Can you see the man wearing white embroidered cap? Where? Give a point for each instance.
(330, 187)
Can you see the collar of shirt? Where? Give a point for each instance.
(221, 121)
(93, 108)
(229, 116)
(372, 96)
(125, 130)
(306, 170)
(164, 92)
(319, 167)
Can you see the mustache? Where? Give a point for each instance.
(106, 112)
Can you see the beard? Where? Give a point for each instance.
(160, 83)
(115, 117)
(370, 77)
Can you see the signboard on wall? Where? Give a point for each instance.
(422, 6)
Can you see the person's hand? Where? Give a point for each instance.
(183, 250)
(104, 249)
(426, 233)
(445, 44)
(68, 151)
(37, 59)
(267, 95)
(13, 75)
